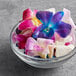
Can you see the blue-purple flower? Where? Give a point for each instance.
(51, 24)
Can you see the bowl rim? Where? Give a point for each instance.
(73, 52)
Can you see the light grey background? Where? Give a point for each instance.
(10, 14)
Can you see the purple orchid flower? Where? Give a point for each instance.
(50, 24)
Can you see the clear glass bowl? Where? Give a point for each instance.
(39, 62)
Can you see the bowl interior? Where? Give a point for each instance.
(21, 52)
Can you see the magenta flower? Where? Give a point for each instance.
(21, 38)
(26, 24)
(27, 14)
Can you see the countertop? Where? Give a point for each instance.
(10, 14)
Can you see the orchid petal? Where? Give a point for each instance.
(51, 33)
(27, 32)
(46, 34)
(20, 38)
(36, 21)
(34, 12)
(67, 17)
(57, 17)
(53, 38)
(58, 37)
(27, 14)
(26, 24)
(72, 34)
(42, 35)
(44, 42)
(44, 17)
(64, 29)
(32, 45)
(51, 51)
(37, 31)
(21, 45)
(62, 50)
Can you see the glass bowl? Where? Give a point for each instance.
(39, 62)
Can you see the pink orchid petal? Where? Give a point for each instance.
(44, 42)
(30, 43)
(58, 38)
(20, 38)
(32, 46)
(27, 32)
(72, 34)
(67, 18)
(21, 45)
(27, 14)
(53, 38)
(26, 24)
(34, 12)
(38, 48)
